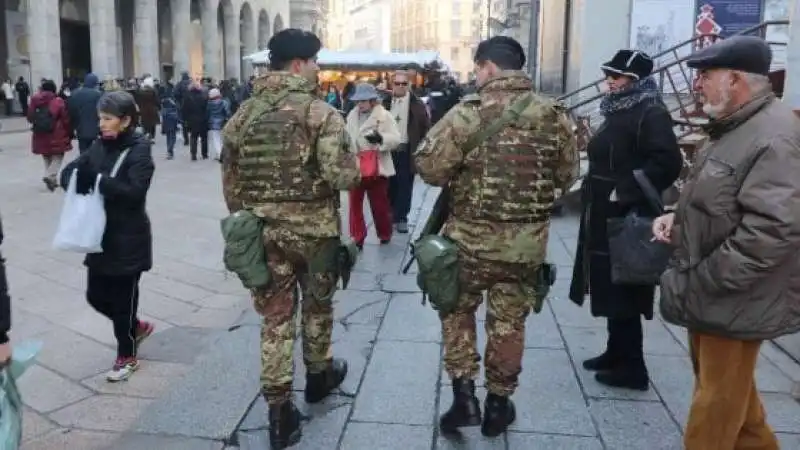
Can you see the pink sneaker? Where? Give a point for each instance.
(123, 369)
(144, 331)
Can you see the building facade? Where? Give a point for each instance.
(359, 25)
(125, 38)
(308, 15)
(452, 28)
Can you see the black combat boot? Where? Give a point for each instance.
(319, 385)
(284, 425)
(465, 410)
(498, 414)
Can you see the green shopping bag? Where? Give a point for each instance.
(22, 358)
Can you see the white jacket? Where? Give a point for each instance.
(382, 121)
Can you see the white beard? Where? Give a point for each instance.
(718, 110)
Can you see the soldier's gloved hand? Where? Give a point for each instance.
(374, 137)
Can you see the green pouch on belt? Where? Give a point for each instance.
(437, 259)
(244, 252)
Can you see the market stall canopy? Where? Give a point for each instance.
(362, 59)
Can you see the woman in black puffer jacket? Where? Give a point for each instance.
(113, 279)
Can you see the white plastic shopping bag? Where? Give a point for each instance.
(10, 401)
(83, 219)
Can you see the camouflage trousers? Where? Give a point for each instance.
(507, 308)
(287, 256)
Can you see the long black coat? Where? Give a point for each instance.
(128, 239)
(641, 137)
(194, 110)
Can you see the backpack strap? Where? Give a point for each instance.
(512, 113)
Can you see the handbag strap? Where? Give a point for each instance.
(118, 163)
(650, 191)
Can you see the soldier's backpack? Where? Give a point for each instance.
(43, 121)
(244, 252)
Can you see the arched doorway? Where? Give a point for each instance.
(165, 40)
(278, 24)
(76, 47)
(196, 39)
(247, 37)
(227, 26)
(263, 29)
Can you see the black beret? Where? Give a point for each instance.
(500, 47)
(293, 43)
(749, 54)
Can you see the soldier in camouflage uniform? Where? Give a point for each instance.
(502, 194)
(285, 159)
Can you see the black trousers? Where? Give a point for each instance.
(401, 185)
(117, 297)
(9, 107)
(185, 133)
(626, 340)
(151, 131)
(193, 138)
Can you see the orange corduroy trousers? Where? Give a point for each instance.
(726, 411)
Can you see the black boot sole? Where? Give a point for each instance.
(611, 380)
(453, 428)
(491, 430)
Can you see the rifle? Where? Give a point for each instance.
(435, 222)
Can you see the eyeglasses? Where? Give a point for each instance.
(401, 83)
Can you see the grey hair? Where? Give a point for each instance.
(756, 81)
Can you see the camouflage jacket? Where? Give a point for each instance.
(550, 153)
(335, 164)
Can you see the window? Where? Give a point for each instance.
(456, 28)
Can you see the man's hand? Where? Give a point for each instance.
(5, 354)
(662, 228)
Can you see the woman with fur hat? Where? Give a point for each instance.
(637, 134)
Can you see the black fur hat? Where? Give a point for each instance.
(631, 63)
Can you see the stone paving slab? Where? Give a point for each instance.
(198, 385)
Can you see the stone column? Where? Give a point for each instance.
(146, 38)
(103, 32)
(212, 66)
(44, 45)
(181, 35)
(233, 58)
(791, 89)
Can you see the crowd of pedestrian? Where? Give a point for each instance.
(500, 156)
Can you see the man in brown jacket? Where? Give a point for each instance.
(734, 280)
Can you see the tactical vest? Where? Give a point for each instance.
(277, 161)
(509, 175)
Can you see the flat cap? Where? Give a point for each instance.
(293, 43)
(749, 54)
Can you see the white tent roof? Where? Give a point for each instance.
(361, 58)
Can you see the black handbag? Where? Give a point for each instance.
(635, 257)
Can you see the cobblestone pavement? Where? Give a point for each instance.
(197, 388)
